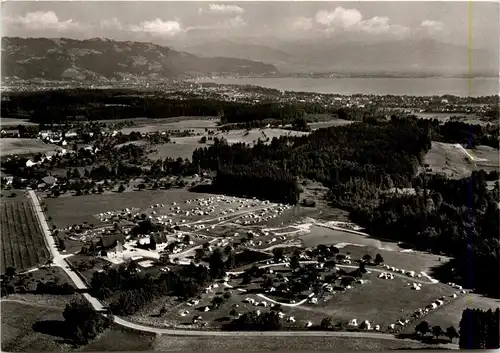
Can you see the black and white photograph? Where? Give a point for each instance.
(249, 176)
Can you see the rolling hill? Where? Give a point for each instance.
(104, 59)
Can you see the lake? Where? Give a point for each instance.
(377, 86)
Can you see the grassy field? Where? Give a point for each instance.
(451, 314)
(163, 125)
(321, 235)
(17, 328)
(66, 211)
(379, 301)
(23, 245)
(120, 339)
(411, 261)
(22, 146)
(277, 344)
(490, 154)
(182, 148)
(15, 122)
(446, 158)
(329, 123)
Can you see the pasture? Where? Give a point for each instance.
(451, 313)
(18, 334)
(279, 344)
(122, 339)
(23, 245)
(412, 261)
(171, 124)
(183, 148)
(15, 122)
(380, 301)
(323, 235)
(446, 158)
(66, 211)
(22, 146)
(329, 123)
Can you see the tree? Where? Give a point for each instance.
(277, 254)
(10, 272)
(246, 278)
(203, 139)
(83, 322)
(379, 259)
(216, 264)
(437, 331)
(186, 239)
(367, 258)
(294, 262)
(121, 188)
(451, 333)
(165, 259)
(152, 242)
(423, 328)
(326, 323)
(231, 260)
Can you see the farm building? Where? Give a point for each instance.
(111, 241)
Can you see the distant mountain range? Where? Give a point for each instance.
(98, 59)
(417, 56)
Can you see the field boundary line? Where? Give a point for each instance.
(39, 224)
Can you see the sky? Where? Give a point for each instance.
(165, 22)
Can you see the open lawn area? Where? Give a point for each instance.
(66, 211)
(451, 314)
(182, 148)
(380, 301)
(411, 261)
(171, 124)
(322, 235)
(23, 245)
(329, 123)
(446, 158)
(15, 122)
(277, 344)
(17, 328)
(22, 146)
(122, 339)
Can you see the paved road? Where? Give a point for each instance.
(59, 260)
(207, 333)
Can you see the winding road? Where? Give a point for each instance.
(59, 261)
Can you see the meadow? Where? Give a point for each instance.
(66, 211)
(446, 158)
(22, 146)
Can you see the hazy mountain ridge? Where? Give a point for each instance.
(420, 56)
(99, 58)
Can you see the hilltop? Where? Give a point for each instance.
(104, 59)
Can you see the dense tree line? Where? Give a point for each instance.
(480, 329)
(66, 106)
(252, 321)
(262, 180)
(130, 291)
(384, 155)
(455, 217)
(470, 135)
(83, 323)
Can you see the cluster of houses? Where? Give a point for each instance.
(58, 138)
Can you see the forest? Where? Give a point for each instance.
(66, 106)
